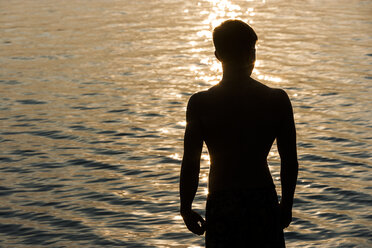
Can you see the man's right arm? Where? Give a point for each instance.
(286, 142)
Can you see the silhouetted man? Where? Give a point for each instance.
(239, 119)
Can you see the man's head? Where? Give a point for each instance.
(234, 41)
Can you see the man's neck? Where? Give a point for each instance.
(236, 72)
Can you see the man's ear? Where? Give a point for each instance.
(252, 56)
(217, 56)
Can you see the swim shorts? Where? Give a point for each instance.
(248, 218)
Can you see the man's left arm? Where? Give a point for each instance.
(189, 178)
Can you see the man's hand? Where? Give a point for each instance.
(285, 215)
(194, 222)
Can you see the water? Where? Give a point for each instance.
(93, 97)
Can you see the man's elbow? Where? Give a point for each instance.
(190, 164)
(289, 166)
(189, 160)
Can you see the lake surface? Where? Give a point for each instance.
(93, 96)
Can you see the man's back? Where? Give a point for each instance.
(239, 123)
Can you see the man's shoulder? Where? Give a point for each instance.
(274, 91)
(277, 94)
(198, 96)
(280, 94)
(280, 99)
(196, 99)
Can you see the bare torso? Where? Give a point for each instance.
(238, 122)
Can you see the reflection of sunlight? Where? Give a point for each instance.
(192, 43)
(193, 68)
(204, 178)
(177, 217)
(196, 50)
(205, 33)
(260, 76)
(268, 78)
(163, 130)
(182, 123)
(216, 66)
(213, 80)
(175, 156)
(206, 157)
(222, 10)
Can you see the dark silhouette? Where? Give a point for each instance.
(239, 119)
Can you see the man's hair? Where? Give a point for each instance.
(233, 40)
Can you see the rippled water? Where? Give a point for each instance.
(93, 97)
